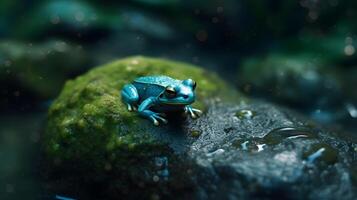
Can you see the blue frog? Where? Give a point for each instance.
(153, 96)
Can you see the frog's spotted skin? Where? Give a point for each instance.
(153, 96)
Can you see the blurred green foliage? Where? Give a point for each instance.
(218, 34)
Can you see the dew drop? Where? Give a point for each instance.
(276, 136)
(195, 133)
(352, 110)
(161, 164)
(244, 145)
(155, 178)
(321, 152)
(261, 147)
(349, 50)
(245, 114)
(217, 152)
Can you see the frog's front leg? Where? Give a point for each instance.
(145, 112)
(194, 113)
(130, 96)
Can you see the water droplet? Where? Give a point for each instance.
(195, 133)
(161, 161)
(217, 152)
(297, 136)
(321, 152)
(349, 50)
(260, 147)
(245, 114)
(244, 145)
(155, 178)
(161, 164)
(352, 110)
(276, 136)
(311, 158)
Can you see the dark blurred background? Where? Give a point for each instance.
(299, 54)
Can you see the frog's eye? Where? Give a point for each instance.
(170, 92)
(190, 82)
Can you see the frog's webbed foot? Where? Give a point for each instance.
(144, 111)
(157, 118)
(193, 112)
(131, 107)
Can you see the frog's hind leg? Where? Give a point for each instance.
(130, 96)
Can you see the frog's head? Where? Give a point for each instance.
(179, 94)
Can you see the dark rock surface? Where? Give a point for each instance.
(239, 148)
(274, 154)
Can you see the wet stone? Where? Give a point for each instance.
(272, 148)
(231, 157)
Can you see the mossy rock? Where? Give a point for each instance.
(89, 127)
(96, 149)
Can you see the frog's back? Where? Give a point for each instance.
(162, 81)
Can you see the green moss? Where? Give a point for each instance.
(88, 121)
